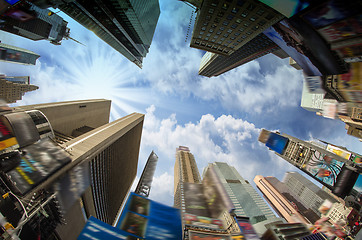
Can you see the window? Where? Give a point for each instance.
(269, 16)
(241, 29)
(237, 34)
(211, 30)
(216, 37)
(235, 44)
(201, 32)
(245, 13)
(217, 20)
(219, 42)
(214, 4)
(218, 33)
(260, 12)
(235, 10)
(225, 23)
(251, 7)
(229, 17)
(203, 28)
(246, 24)
(232, 38)
(211, 10)
(222, 28)
(206, 39)
(226, 35)
(222, 39)
(253, 19)
(225, 6)
(234, 26)
(209, 34)
(229, 31)
(255, 28)
(240, 3)
(213, 25)
(220, 14)
(238, 20)
(262, 22)
(208, 17)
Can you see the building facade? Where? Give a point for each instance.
(246, 200)
(14, 88)
(14, 54)
(213, 64)
(103, 164)
(222, 27)
(281, 205)
(127, 25)
(334, 170)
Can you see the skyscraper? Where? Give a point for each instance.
(126, 25)
(281, 205)
(185, 171)
(14, 88)
(222, 27)
(13, 54)
(246, 200)
(30, 21)
(335, 169)
(213, 64)
(103, 165)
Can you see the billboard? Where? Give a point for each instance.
(246, 228)
(96, 229)
(7, 139)
(147, 219)
(277, 142)
(339, 152)
(34, 165)
(194, 235)
(202, 221)
(323, 167)
(286, 7)
(215, 194)
(195, 202)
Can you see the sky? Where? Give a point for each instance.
(218, 118)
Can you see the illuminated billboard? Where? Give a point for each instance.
(12, 2)
(323, 168)
(276, 142)
(246, 228)
(195, 202)
(202, 221)
(339, 152)
(194, 235)
(7, 139)
(147, 219)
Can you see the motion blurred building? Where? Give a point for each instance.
(213, 64)
(30, 21)
(14, 54)
(14, 88)
(127, 25)
(103, 164)
(244, 197)
(332, 166)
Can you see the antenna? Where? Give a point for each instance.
(67, 36)
(76, 41)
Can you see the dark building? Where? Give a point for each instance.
(126, 25)
(213, 64)
(32, 22)
(14, 54)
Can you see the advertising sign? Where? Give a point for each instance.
(343, 29)
(96, 229)
(330, 109)
(323, 167)
(195, 202)
(356, 159)
(246, 228)
(304, 62)
(12, 2)
(338, 151)
(352, 79)
(314, 84)
(277, 142)
(7, 139)
(147, 219)
(36, 163)
(330, 12)
(286, 7)
(215, 194)
(202, 221)
(193, 235)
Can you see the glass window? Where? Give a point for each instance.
(251, 7)
(260, 12)
(232, 38)
(222, 28)
(216, 36)
(203, 28)
(253, 19)
(219, 42)
(206, 38)
(241, 29)
(234, 26)
(225, 23)
(237, 34)
(211, 30)
(214, 4)
(211, 10)
(208, 17)
(246, 24)
(269, 16)
(213, 25)
(220, 14)
(245, 13)
(240, 3)
(262, 22)
(222, 39)
(255, 28)
(209, 34)
(218, 33)
(235, 10)
(238, 20)
(229, 17)
(201, 32)
(217, 20)
(235, 44)
(226, 35)
(225, 6)
(229, 31)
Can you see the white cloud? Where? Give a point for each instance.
(162, 188)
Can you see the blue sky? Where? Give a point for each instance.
(218, 118)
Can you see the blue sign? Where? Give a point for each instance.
(12, 2)
(96, 229)
(276, 142)
(147, 219)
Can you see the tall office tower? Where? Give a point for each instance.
(213, 64)
(14, 88)
(144, 184)
(310, 195)
(280, 204)
(185, 171)
(28, 20)
(13, 54)
(103, 165)
(330, 165)
(126, 25)
(246, 200)
(222, 27)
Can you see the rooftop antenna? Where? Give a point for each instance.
(188, 28)
(67, 36)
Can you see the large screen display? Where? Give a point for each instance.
(277, 142)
